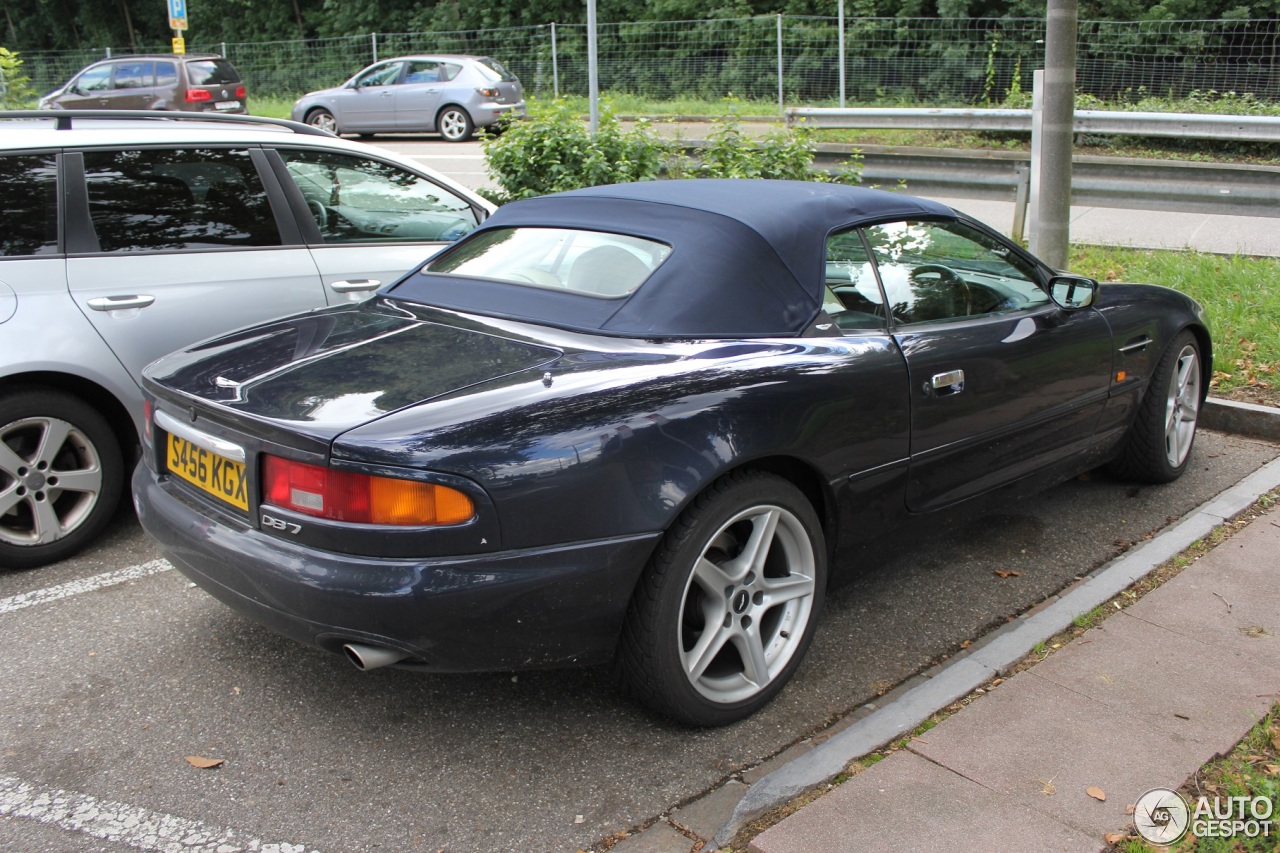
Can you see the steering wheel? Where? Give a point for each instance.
(319, 212)
(946, 275)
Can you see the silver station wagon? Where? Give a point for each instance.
(126, 235)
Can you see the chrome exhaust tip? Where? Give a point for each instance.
(366, 658)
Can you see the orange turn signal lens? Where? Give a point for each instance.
(410, 502)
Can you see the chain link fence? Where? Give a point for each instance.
(783, 58)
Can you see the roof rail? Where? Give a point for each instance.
(66, 118)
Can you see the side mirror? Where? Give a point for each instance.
(1073, 291)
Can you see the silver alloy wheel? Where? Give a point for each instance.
(1182, 407)
(324, 120)
(454, 125)
(50, 480)
(746, 604)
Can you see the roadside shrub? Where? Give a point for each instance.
(15, 87)
(551, 151)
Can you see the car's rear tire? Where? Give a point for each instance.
(61, 475)
(1159, 442)
(727, 607)
(323, 119)
(454, 124)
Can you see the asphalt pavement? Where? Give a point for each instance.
(117, 672)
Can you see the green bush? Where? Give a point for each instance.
(551, 150)
(15, 87)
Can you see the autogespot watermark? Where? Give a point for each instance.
(1163, 817)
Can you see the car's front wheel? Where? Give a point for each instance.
(1160, 440)
(61, 475)
(454, 124)
(323, 119)
(728, 604)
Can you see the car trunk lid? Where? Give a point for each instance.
(318, 375)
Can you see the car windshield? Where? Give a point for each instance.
(494, 70)
(211, 72)
(591, 263)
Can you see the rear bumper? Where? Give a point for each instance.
(490, 111)
(546, 607)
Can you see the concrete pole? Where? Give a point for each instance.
(593, 69)
(1053, 224)
(840, 48)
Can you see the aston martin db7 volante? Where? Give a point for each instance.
(641, 424)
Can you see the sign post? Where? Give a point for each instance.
(178, 23)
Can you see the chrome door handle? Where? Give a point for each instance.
(355, 285)
(118, 303)
(951, 382)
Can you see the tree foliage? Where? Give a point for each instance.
(74, 24)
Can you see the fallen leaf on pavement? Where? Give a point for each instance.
(1097, 794)
(578, 818)
(1114, 837)
(1130, 809)
(204, 763)
(1008, 573)
(1048, 788)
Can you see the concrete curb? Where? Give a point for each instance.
(1241, 419)
(1006, 647)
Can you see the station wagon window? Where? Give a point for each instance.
(211, 72)
(134, 75)
(28, 204)
(357, 200)
(94, 80)
(935, 272)
(592, 263)
(166, 74)
(150, 200)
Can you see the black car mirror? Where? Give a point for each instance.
(1073, 291)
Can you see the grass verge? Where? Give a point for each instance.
(1241, 297)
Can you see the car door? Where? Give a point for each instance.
(1002, 381)
(417, 97)
(133, 85)
(168, 246)
(369, 105)
(373, 221)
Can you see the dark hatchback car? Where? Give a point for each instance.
(191, 83)
(642, 424)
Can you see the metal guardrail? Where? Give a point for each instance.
(1236, 190)
(1195, 125)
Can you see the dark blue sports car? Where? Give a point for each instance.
(642, 424)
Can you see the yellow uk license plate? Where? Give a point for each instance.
(213, 474)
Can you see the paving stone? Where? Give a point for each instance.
(1229, 599)
(1033, 736)
(703, 817)
(661, 837)
(1172, 682)
(908, 803)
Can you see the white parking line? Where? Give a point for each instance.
(66, 590)
(131, 826)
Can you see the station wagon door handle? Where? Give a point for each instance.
(356, 285)
(119, 303)
(951, 382)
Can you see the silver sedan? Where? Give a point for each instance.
(447, 94)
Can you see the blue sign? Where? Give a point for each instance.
(177, 14)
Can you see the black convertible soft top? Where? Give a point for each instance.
(747, 256)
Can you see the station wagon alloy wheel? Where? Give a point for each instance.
(322, 119)
(60, 477)
(454, 124)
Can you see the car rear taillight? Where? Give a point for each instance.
(196, 95)
(488, 93)
(361, 498)
(241, 91)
